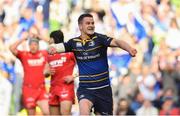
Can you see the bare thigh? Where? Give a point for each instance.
(66, 107)
(31, 111)
(44, 106)
(85, 106)
(54, 110)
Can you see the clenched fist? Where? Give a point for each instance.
(133, 52)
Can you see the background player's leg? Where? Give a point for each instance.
(31, 111)
(54, 110)
(44, 106)
(66, 107)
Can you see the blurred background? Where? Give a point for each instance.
(147, 84)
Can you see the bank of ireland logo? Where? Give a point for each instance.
(63, 59)
(78, 44)
(85, 53)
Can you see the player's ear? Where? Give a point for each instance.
(80, 27)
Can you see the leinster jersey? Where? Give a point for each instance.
(91, 56)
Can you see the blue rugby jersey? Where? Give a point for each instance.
(91, 56)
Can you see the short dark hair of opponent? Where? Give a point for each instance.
(57, 36)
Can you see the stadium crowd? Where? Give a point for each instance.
(148, 84)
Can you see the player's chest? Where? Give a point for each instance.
(35, 60)
(59, 60)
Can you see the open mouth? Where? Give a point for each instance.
(91, 29)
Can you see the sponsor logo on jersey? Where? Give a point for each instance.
(88, 57)
(36, 62)
(78, 44)
(64, 95)
(85, 53)
(59, 62)
(91, 43)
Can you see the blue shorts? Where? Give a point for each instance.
(101, 98)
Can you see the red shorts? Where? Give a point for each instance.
(32, 95)
(58, 94)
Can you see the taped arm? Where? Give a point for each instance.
(56, 48)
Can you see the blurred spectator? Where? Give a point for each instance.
(167, 61)
(126, 83)
(147, 109)
(146, 83)
(168, 107)
(123, 108)
(17, 85)
(59, 10)
(137, 101)
(26, 20)
(173, 35)
(11, 8)
(2, 13)
(5, 91)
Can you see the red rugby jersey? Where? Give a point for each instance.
(63, 64)
(33, 65)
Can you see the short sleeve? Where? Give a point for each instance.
(105, 40)
(19, 54)
(72, 56)
(68, 46)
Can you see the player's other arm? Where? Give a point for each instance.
(46, 70)
(123, 45)
(13, 47)
(70, 78)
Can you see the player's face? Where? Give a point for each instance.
(34, 47)
(87, 26)
(51, 41)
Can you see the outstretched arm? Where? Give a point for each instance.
(56, 48)
(123, 45)
(13, 47)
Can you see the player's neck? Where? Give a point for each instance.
(85, 36)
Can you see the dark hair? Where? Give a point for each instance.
(81, 17)
(57, 36)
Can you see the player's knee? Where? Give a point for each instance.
(84, 112)
(65, 111)
(46, 112)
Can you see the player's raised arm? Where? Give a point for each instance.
(123, 45)
(13, 47)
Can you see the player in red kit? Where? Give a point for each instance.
(33, 61)
(61, 65)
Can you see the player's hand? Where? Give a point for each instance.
(68, 79)
(52, 71)
(25, 35)
(132, 52)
